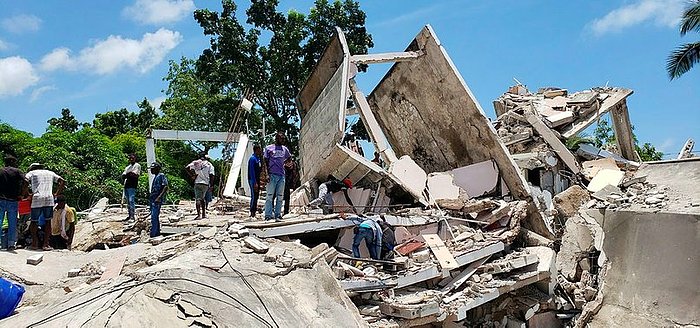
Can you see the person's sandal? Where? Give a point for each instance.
(47, 248)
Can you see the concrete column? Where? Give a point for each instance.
(623, 132)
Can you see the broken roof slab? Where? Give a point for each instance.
(428, 112)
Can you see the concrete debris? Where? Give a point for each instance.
(494, 225)
(35, 259)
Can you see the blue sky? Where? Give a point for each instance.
(92, 56)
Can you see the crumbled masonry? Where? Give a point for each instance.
(497, 224)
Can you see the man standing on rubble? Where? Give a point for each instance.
(130, 176)
(11, 185)
(202, 171)
(274, 158)
(326, 191)
(42, 181)
(371, 232)
(157, 197)
(254, 178)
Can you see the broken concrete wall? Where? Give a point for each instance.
(654, 269)
(427, 112)
(322, 104)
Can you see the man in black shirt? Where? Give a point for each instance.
(11, 183)
(131, 181)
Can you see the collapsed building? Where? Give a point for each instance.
(497, 223)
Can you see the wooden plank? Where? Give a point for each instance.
(623, 132)
(553, 141)
(114, 267)
(389, 57)
(443, 254)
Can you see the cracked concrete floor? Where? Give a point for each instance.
(294, 297)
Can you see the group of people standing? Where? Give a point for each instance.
(32, 197)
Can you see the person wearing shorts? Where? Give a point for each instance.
(202, 171)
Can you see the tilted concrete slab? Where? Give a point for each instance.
(322, 106)
(428, 112)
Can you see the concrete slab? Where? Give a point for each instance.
(477, 179)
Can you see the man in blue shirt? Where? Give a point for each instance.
(275, 156)
(157, 197)
(254, 178)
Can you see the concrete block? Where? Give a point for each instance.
(35, 259)
(255, 244)
(605, 177)
(568, 202)
(274, 253)
(73, 273)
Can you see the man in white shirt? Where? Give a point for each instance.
(130, 176)
(41, 182)
(202, 171)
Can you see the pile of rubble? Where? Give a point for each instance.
(497, 224)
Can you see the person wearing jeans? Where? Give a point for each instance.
(130, 176)
(369, 231)
(11, 183)
(156, 198)
(254, 178)
(275, 156)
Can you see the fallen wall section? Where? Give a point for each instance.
(428, 112)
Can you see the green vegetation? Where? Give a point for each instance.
(686, 55)
(603, 137)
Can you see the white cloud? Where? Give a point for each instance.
(56, 59)
(17, 75)
(4, 45)
(36, 93)
(157, 101)
(114, 53)
(159, 11)
(660, 12)
(21, 23)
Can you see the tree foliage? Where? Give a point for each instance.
(112, 123)
(239, 62)
(67, 122)
(683, 58)
(604, 137)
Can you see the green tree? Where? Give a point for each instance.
(145, 117)
(239, 63)
(687, 55)
(66, 122)
(115, 122)
(604, 136)
(647, 152)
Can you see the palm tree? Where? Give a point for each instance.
(684, 57)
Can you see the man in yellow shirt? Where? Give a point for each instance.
(62, 224)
